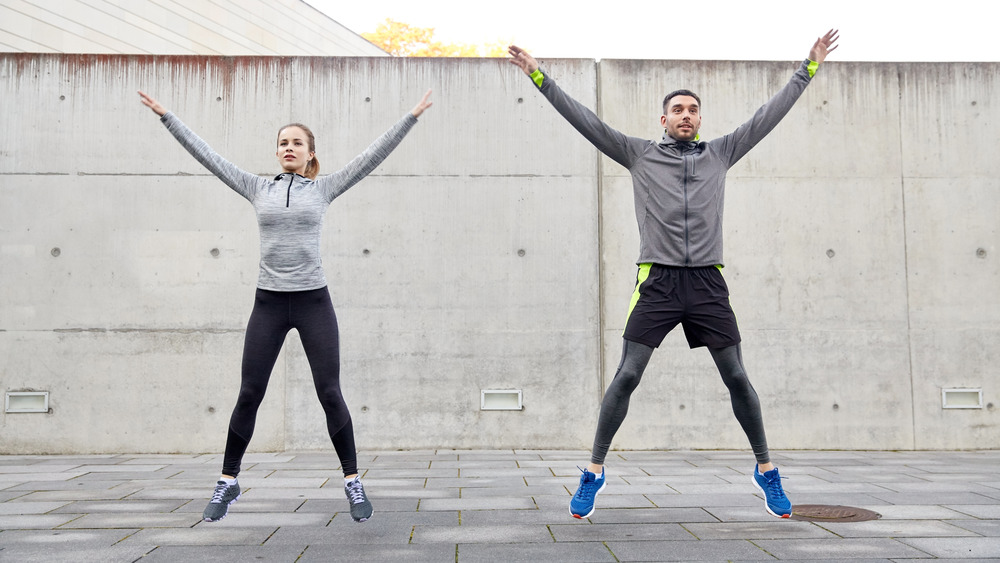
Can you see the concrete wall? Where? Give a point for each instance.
(494, 249)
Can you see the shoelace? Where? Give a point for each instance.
(774, 486)
(587, 488)
(220, 490)
(357, 492)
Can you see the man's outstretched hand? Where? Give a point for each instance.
(824, 46)
(521, 58)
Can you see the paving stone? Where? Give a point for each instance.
(990, 528)
(223, 554)
(504, 517)
(957, 547)
(755, 513)
(651, 515)
(977, 510)
(563, 551)
(491, 503)
(9, 479)
(12, 508)
(895, 529)
(133, 520)
(462, 482)
(246, 504)
(775, 529)
(934, 497)
(380, 504)
(501, 534)
(280, 483)
(63, 538)
(50, 553)
(619, 532)
(202, 534)
(914, 512)
(703, 500)
(32, 468)
(687, 550)
(117, 506)
(347, 532)
(9, 495)
(428, 553)
(522, 491)
(35, 521)
(852, 548)
(388, 473)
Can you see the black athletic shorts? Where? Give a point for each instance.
(698, 298)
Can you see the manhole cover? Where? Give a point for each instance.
(828, 513)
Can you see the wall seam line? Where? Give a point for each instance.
(601, 375)
(906, 266)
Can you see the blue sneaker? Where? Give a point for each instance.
(582, 504)
(769, 483)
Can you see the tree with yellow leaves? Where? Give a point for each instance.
(404, 40)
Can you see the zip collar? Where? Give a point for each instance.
(283, 174)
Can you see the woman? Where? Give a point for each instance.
(291, 288)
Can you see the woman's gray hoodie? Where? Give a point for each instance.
(290, 207)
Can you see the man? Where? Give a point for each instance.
(678, 184)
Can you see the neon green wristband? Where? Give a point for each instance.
(537, 77)
(813, 65)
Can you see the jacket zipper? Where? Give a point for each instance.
(288, 195)
(687, 249)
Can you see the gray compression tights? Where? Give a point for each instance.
(635, 356)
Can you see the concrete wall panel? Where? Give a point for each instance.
(115, 391)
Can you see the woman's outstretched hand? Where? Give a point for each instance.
(151, 103)
(420, 107)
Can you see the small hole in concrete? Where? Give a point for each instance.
(214, 252)
(830, 253)
(981, 253)
(520, 252)
(55, 252)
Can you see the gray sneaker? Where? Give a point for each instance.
(223, 496)
(361, 507)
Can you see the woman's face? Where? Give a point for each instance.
(293, 150)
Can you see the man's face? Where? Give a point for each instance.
(683, 118)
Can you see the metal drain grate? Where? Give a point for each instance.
(828, 513)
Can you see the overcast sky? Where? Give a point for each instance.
(873, 30)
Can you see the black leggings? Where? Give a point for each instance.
(274, 314)
(635, 356)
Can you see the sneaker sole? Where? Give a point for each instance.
(766, 507)
(360, 520)
(227, 510)
(587, 515)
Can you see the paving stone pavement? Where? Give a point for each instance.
(499, 505)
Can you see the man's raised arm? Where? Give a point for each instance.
(618, 146)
